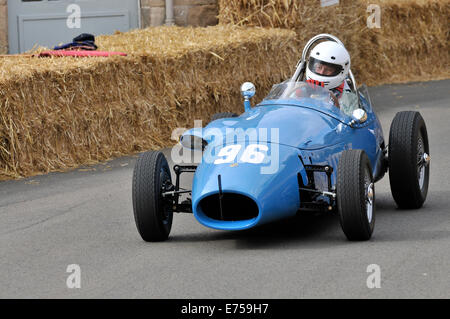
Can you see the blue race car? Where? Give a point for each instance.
(299, 150)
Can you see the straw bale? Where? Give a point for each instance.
(58, 113)
(411, 45)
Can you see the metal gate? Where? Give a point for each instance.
(51, 22)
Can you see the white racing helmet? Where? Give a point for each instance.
(329, 62)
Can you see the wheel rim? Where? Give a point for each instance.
(369, 196)
(164, 180)
(422, 162)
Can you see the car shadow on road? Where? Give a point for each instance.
(303, 228)
(398, 225)
(323, 230)
(303, 231)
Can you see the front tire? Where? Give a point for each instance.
(409, 171)
(153, 215)
(356, 195)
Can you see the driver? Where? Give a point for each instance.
(328, 66)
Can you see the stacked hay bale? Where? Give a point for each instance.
(411, 45)
(58, 113)
(413, 42)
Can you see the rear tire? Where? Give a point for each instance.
(153, 216)
(356, 195)
(408, 176)
(223, 115)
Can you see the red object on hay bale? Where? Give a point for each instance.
(79, 54)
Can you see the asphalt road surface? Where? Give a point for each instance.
(85, 217)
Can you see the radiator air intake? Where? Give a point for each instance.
(228, 207)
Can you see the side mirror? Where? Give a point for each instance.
(359, 117)
(193, 140)
(248, 91)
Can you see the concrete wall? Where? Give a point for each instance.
(186, 12)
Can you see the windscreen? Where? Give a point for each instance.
(302, 91)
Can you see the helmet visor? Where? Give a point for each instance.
(323, 68)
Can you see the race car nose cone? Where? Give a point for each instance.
(241, 195)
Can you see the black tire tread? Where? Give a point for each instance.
(351, 195)
(403, 174)
(145, 198)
